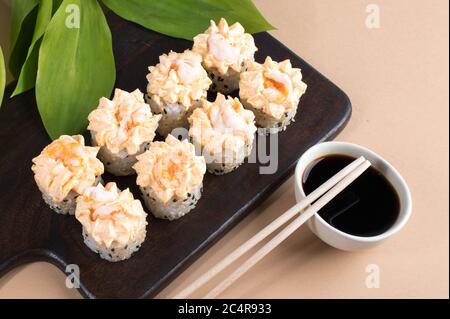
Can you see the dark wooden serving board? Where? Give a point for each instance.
(30, 231)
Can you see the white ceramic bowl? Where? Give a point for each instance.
(328, 233)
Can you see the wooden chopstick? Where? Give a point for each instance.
(287, 231)
(341, 179)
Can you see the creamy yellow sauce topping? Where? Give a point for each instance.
(222, 124)
(112, 217)
(171, 169)
(123, 123)
(65, 165)
(223, 46)
(178, 78)
(273, 87)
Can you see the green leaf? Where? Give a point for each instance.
(2, 76)
(245, 12)
(56, 4)
(76, 67)
(187, 18)
(23, 18)
(27, 77)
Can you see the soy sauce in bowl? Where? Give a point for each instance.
(367, 207)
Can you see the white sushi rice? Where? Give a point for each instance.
(221, 164)
(267, 123)
(120, 164)
(68, 204)
(224, 83)
(174, 115)
(174, 208)
(114, 254)
(221, 168)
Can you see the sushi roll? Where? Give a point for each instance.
(272, 91)
(123, 128)
(226, 52)
(224, 132)
(170, 177)
(175, 87)
(114, 223)
(64, 169)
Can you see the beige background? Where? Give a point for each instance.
(397, 79)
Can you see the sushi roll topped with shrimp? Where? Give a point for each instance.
(114, 223)
(175, 87)
(123, 127)
(224, 131)
(64, 169)
(170, 177)
(272, 91)
(226, 51)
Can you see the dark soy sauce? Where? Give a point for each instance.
(367, 207)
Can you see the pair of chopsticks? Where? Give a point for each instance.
(320, 197)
